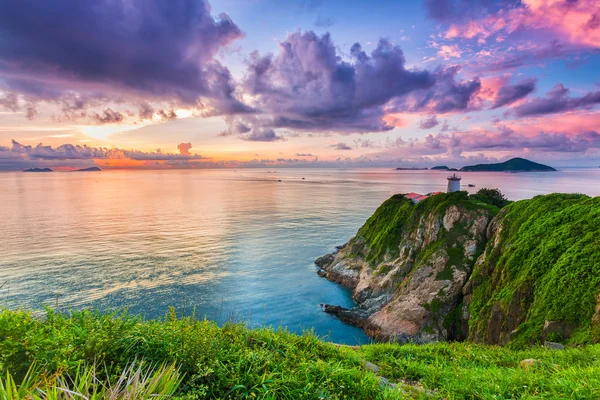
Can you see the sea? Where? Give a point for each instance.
(227, 245)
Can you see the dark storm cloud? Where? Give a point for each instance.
(159, 49)
(510, 93)
(307, 85)
(557, 100)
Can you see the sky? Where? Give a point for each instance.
(308, 83)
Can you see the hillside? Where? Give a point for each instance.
(539, 277)
(407, 266)
(446, 269)
(512, 165)
(195, 359)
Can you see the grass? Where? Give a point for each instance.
(196, 359)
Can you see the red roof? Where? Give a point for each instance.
(412, 195)
(420, 198)
(437, 193)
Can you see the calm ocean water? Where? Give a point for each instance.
(233, 244)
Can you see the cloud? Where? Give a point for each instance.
(574, 22)
(429, 123)
(184, 148)
(22, 155)
(304, 155)
(156, 50)
(446, 96)
(341, 146)
(263, 135)
(508, 94)
(557, 100)
(108, 116)
(308, 86)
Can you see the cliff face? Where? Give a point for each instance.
(408, 264)
(446, 268)
(539, 277)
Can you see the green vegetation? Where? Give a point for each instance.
(227, 362)
(491, 196)
(195, 359)
(468, 371)
(514, 164)
(398, 216)
(544, 265)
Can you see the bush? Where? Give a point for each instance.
(491, 196)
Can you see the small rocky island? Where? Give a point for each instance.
(90, 169)
(457, 267)
(38, 170)
(512, 165)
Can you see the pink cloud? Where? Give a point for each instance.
(575, 22)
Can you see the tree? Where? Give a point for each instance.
(491, 196)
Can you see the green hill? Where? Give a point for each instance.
(512, 165)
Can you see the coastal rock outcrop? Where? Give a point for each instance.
(453, 268)
(407, 267)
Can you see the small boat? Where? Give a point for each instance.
(470, 185)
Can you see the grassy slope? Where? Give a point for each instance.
(550, 243)
(234, 362)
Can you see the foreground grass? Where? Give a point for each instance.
(235, 362)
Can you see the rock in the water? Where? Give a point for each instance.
(321, 272)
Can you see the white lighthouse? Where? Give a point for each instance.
(453, 183)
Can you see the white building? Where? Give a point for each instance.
(453, 183)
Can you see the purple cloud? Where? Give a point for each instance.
(557, 100)
(429, 123)
(341, 146)
(263, 135)
(156, 50)
(307, 85)
(510, 93)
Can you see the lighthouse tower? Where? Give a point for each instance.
(453, 183)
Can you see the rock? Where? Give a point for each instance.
(529, 363)
(554, 345)
(384, 382)
(325, 260)
(371, 367)
(402, 296)
(562, 328)
(321, 272)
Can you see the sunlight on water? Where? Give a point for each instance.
(232, 244)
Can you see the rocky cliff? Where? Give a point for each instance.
(408, 264)
(449, 269)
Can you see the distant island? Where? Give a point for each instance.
(443, 168)
(512, 165)
(38, 170)
(90, 169)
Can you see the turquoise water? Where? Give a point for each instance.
(234, 245)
